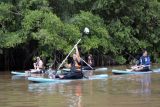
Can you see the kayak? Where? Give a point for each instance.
(24, 74)
(58, 72)
(97, 69)
(42, 80)
(18, 73)
(68, 70)
(114, 71)
(101, 69)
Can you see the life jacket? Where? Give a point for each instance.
(145, 60)
(74, 67)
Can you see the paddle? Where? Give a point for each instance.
(86, 31)
(132, 56)
(69, 54)
(87, 63)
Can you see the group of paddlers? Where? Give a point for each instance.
(76, 65)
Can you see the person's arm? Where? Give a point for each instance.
(67, 65)
(77, 54)
(35, 65)
(92, 63)
(140, 60)
(40, 65)
(89, 62)
(149, 61)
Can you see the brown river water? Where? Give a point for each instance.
(116, 91)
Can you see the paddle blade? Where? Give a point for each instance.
(86, 30)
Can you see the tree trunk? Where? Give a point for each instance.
(6, 59)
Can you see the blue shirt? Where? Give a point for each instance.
(145, 60)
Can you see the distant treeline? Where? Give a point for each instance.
(119, 30)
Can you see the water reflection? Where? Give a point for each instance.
(145, 84)
(17, 77)
(133, 84)
(77, 92)
(116, 91)
(73, 92)
(75, 95)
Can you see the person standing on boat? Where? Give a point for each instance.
(75, 68)
(90, 61)
(144, 63)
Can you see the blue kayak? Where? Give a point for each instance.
(101, 69)
(114, 71)
(96, 70)
(24, 74)
(42, 80)
(18, 73)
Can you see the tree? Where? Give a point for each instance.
(117, 27)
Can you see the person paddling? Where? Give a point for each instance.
(90, 61)
(75, 68)
(144, 63)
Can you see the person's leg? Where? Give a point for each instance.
(51, 76)
(73, 75)
(70, 75)
(34, 65)
(28, 73)
(35, 70)
(145, 69)
(79, 75)
(86, 68)
(139, 68)
(134, 67)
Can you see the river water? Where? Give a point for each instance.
(116, 91)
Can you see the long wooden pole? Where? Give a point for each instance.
(69, 54)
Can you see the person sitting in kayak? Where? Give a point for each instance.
(144, 63)
(38, 67)
(90, 61)
(39, 64)
(75, 68)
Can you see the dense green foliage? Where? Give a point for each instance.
(117, 26)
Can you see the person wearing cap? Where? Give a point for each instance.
(38, 65)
